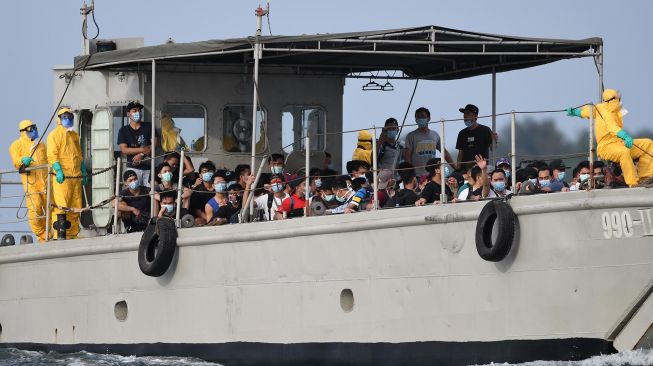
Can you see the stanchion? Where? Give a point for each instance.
(443, 161)
(179, 188)
(513, 152)
(375, 173)
(48, 200)
(116, 223)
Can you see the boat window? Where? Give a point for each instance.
(119, 119)
(183, 126)
(237, 129)
(298, 118)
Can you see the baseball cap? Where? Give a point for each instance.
(134, 104)
(502, 161)
(469, 107)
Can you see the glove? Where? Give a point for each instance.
(84, 174)
(628, 141)
(57, 169)
(573, 112)
(26, 160)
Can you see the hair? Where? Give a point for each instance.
(172, 155)
(583, 164)
(391, 121)
(357, 183)
(599, 164)
(543, 168)
(128, 173)
(208, 165)
(158, 170)
(476, 172)
(327, 184)
(349, 167)
(276, 157)
(240, 168)
(431, 165)
(500, 171)
(168, 194)
(327, 154)
(315, 172)
(235, 187)
(340, 183)
(406, 172)
(357, 164)
(423, 109)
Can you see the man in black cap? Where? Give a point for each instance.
(135, 140)
(474, 139)
(134, 206)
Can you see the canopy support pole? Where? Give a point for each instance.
(153, 151)
(494, 116)
(443, 161)
(257, 56)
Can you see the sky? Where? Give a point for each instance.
(39, 34)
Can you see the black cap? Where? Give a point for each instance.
(557, 164)
(469, 107)
(134, 104)
(294, 183)
(128, 174)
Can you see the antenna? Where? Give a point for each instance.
(85, 10)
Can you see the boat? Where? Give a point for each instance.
(529, 277)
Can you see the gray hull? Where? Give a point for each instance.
(575, 280)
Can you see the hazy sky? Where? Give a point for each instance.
(37, 35)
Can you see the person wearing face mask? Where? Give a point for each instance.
(614, 143)
(423, 143)
(168, 205)
(405, 196)
(135, 140)
(545, 181)
(363, 151)
(504, 164)
(203, 190)
(499, 184)
(474, 139)
(293, 206)
(558, 169)
(327, 194)
(65, 156)
(277, 167)
(267, 204)
(24, 153)
(387, 144)
(581, 176)
(134, 204)
(343, 195)
(432, 190)
(217, 209)
(166, 183)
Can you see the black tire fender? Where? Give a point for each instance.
(157, 247)
(499, 212)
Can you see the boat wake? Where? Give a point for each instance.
(627, 358)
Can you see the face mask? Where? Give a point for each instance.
(330, 166)
(329, 197)
(33, 134)
(166, 177)
(277, 169)
(67, 122)
(392, 134)
(220, 187)
(499, 186)
(169, 208)
(318, 183)
(136, 116)
(133, 185)
(469, 123)
(422, 122)
(447, 171)
(545, 183)
(561, 176)
(584, 177)
(276, 188)
(507, 173)
(623, 112)
(341, 199)
(207, 176)
(533, 180)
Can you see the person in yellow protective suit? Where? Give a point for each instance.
(65, 157)
(172, 141)
(363, 149)
(24, 153)
(615, 144)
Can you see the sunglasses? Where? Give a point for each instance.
(29, 128)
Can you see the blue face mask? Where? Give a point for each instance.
(133, 185)
(328, 197)
(207, 176)
(499, 186)
(169, 208)
(584, 177)
(422, 122)
(561, 176)
(318, 183)
(507, 173)
(220, 187)
(533, 180)
(447, 171)
(67, 122)
(545, 183)
(276, 188)
(136, 116)
(392, 134)
(33, 134)
(166, 177)
(469, 123)
(276, 169)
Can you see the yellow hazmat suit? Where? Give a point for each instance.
(63, 147)
(363, 150)
(608, 122)
(171, 140)
(35, 182)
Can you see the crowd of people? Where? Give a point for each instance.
(409, 174)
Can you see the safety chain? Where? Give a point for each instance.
(89, 175)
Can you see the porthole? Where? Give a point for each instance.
(347, 300)
(120, 310)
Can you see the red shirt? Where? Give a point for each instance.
(298, 203)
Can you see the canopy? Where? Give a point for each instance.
(429, 52)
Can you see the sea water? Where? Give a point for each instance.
(13, 357)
